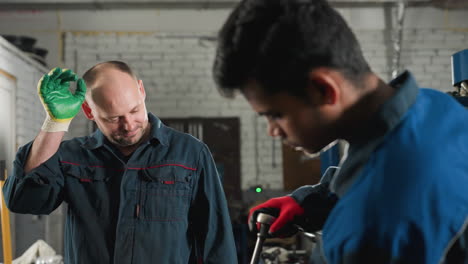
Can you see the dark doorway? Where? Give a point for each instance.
(223, 138)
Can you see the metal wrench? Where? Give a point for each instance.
(265, 221)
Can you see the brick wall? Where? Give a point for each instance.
(29, 111)
(425, 52)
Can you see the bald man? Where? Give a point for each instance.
(137, 191)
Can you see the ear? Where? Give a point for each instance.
(324, 86)
(141, 88)
(87, 110)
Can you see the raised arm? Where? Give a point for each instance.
(61, 106)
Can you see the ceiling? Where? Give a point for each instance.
(450, 3)
(197, 4)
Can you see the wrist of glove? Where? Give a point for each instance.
(317, 206)
(288, 214)
(51, 125)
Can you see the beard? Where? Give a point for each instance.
(123, 141)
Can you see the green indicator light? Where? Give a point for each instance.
(258, 189)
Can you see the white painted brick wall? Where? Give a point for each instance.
(29, 111)
(176, 71)
(425, 52)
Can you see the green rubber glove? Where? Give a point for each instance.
(60, 104)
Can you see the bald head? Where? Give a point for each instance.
(94, 72)
(104, 78)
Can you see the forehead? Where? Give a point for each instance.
(115, 90)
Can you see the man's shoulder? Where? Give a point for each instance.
(433, 102)
(73, 142)
(74, 149)
(82, 138)
(435, 122)
(177, 138)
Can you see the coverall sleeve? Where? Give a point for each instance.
(303, 192)
(210, 219)
(317, 201)
(36, 192)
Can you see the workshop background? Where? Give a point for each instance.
(171, 45)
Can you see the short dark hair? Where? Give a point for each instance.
(90, 75)
(277, 42)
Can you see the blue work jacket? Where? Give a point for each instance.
(165, 204)
(403, 192)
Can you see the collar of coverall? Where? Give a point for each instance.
(387, 118)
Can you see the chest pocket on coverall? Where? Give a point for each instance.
(165, 193)
(90, 189)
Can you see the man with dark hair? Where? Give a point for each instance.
(137, 191)
(400, 195)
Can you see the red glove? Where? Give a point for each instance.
(285, 209)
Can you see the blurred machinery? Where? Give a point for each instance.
(460, 76)
(27, 45)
